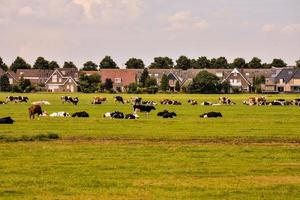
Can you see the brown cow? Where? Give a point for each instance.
(35, 109)
(99, 100)
(256, 101)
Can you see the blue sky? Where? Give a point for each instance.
(82, 30)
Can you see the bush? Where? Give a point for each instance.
(132, 88)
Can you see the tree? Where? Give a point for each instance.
(164, 84)
(89, 84)
(19, 63)
(90, 66)
(41, 63)
(202, 63)
(134, 63)
(177, 86)
(257, 81)
(238, 63)
(162, 63)
(184, 63)
(109, 84)
(132, 88)
(3, 65)
(144, 78)
(24, 84)
(278, 63)
(53, 65)
(298, 63)
(151, 82)
(69, 65)
(4, 83)
(255, 63)
(219, 63)
(108, 63)
(205, 82)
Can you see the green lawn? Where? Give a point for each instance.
(250, 153)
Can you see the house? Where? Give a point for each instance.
(36, 76)
(12, 77)
(121, 77)
(237, 79)
(288, 81)
(63, 80)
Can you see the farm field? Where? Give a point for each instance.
(250, 153)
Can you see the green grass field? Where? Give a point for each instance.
(250, 153)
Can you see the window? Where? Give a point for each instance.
(219, 74)
(235, 74)
(11, 81)
(118, 80)
(59, 80)
(70, 81)
(156, 75)
(247, 74)
(150, 74)
(54, 78)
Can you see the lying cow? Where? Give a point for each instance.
(69, 99)
(170, 102)
(131, 116)
(81, 114)
(119, 99)
(296, 102)
(17, 99)
(256, 101)
(279, 102)
(149, 103)
(114, 115)
(60, 114)
(193, 102)
(166, 114)
(2, 102)
(208, 103)
(225, 101)
(6, 120)
(99, 100)
(41, 103)
(211, 115)
(35, 109)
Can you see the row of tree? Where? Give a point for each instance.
(183, 62)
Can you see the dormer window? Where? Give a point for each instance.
(54, 78)
(118, 80)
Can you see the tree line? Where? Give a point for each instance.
(183, 62)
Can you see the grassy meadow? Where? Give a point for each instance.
(250, 153)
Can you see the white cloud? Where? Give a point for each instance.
(185, 20)
(109, 10)
(24, 11)
(267, 28)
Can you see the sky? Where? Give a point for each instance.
(83, 30)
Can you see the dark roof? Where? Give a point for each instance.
(286, 75)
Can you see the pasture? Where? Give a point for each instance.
(253, 152)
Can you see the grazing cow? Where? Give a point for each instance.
(81, 114)
(2, 102)
(18, 99)
(99, 100)
(69, 99)
(119, 99)
(211, 114)
(225, 101)
(131, 116)
(136, 100)
(60, 114)
(6, 120)
(192, 102)
(166, 114)
(35, 109)
(41, 103)
(143, 108)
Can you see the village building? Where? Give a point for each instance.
(63, 80)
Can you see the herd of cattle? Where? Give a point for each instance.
(139, 105)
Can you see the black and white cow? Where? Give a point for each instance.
(296, 102)
(211, 114)
(114, 115)
(167, 114)
(81, 114)
(69, 99)
(17, 99)
(6, 120)
(225, 101)
(2, 102)
(193, 102)
(119, 99)
(131, 116)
